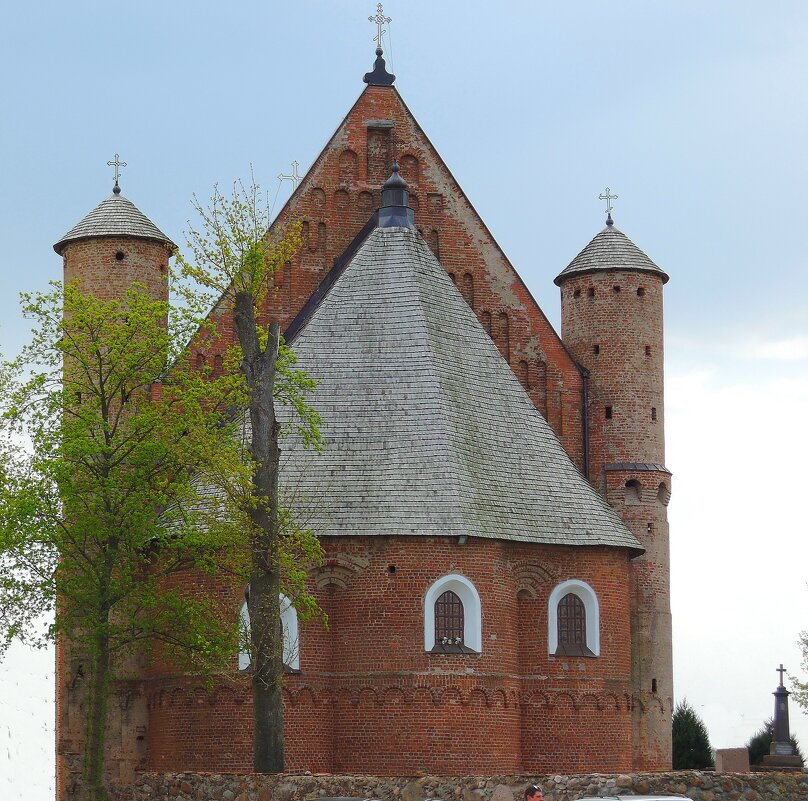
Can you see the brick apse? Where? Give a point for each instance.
(564, 656)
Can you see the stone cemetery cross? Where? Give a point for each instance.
(781, 741)
(379, 19)
(117, 164)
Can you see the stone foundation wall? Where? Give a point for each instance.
(697, 785)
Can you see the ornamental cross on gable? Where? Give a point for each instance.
(380, 21)
(294, 177)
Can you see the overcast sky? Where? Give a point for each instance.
(695, 113)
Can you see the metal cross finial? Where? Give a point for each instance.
(608, 198)
(294, 177)
(117, 164)
(380, 20)
(781, 670)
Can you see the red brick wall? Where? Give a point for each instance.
(370, 699)
(92, 263)
(627, 372)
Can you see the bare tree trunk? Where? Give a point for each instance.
(264, 603)
(93, 788)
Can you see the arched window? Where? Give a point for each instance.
(633, 491)
(452, 616)
(573, 620)
(291, 645)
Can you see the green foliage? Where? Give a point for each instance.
(108, 442)
(759, 744)
(233, 263)
(232, 253)
(122, 467)
(800, 693)
(691, 743)
(101, 479)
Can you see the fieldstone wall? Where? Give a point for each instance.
(697, 785)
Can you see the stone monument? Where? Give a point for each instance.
(781, 752)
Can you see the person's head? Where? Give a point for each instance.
(533, 793)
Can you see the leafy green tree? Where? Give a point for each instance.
(233, 262)
(107, 441)
(759, 743)
(691, 743)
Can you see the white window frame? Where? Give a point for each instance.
(591, 606)
(472, 610)
(291, 642)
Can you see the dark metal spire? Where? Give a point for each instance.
(380, 76)
(395, 211)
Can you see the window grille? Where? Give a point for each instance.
(448, 619)
(572, 627)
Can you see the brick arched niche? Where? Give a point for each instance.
(472, 610)
(633, 491)
(587, 595)
(291, 635)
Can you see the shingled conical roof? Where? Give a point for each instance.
(611, 249)
(428, 431)
(114, 216)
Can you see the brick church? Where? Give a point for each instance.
(492, 499)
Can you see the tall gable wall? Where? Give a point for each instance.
(343, 189)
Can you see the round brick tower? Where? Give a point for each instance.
(114, 246)
(611, 321)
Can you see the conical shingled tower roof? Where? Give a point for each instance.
(610, 249)
(428, 431)
(114, 216)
